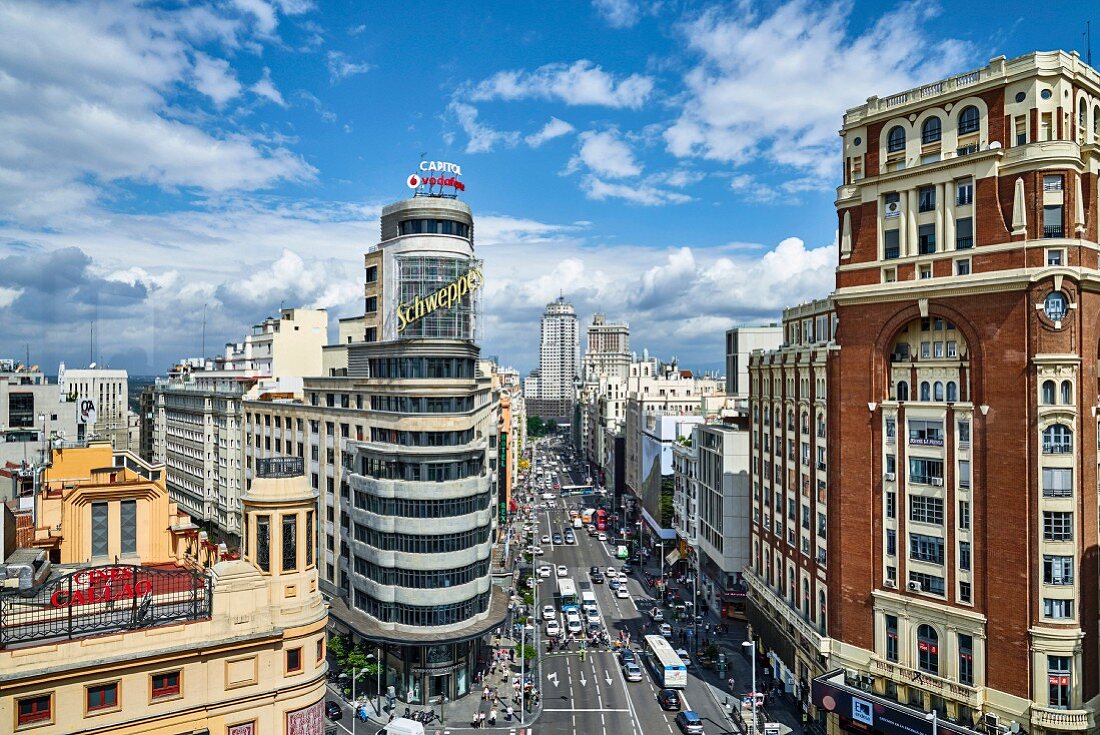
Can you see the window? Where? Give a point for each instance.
(1057, 482)
(895, 139)
(964, 592)
(903, 391)
(926, 548)
(930, 131)
(964, 555)
(891, 638)
(926, 239)
(891, 205)
(1048, 393)
(1066, 393)
(1055, 306)
(952, 392)
(371, 304)
(1052, 182)
(290, 543)
(1052, 220)
(964, 192)
(925, 390)
(891, 244)
(964, 233)
(372, 274)
(891, 542)
(964, 433)
(1057, 608)
(926, 510)
(891, 505)
(1057, 439)
(966, 659)
(926, 199)
(962, 267)
(34, 709)
(263, 543)
(925, 471)
(99, 529)
(101, 697)
(1057, 569)
(1056, 256)
(1058, 681)
(128, 526)
(166, 684)
(969, 120)
(1057, 526)
(964, 515)
(21, 410)
(1021, 130)
(293, 660)
(926, 433)
(928, 649)
(311, 538)
(937, 387)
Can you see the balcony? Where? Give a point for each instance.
(967, 695)
(1050, 231)
(964, 243)
(1059, 719)
(1057, 448)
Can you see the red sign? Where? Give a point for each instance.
(307, 721)
(101, 585)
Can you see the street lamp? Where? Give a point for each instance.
(354, 703)
(935, 719)
(752, 645)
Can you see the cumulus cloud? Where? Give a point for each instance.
(215, 79)
(605, 158)
(553, 129)
(744, 101)
(606, 154)
(482, 137)
(265, 88)
(340, 67)
(581, 83)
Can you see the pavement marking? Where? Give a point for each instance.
(582, 709)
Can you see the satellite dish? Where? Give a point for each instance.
(995, 146)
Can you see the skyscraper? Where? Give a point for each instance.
(559, 361)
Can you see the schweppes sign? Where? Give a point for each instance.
(444, 298)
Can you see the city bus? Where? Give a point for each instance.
(601, 520)
(667, 668)
(567, 591)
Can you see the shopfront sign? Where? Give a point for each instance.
(444, 298)
(441, 174)
(103, 584)
(307, 721)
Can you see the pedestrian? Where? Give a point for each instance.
(493, 717)
(731, 682)
(481, 719)
(485, 693)
(508, 713)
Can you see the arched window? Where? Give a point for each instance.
(1057, 439)
(1048, 392)
(969, 120)
(1096, 124)
(925, 391)
(1067, 393)
(895, 139)
(937, 391)
(821, 616)
(928, 649)
(930, 131)
(806, 598)
(903, 390)
(1082, 115)
(952, 391)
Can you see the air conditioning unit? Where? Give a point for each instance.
(937, 481)
(890, 584)
(889, 476)
(915, 587)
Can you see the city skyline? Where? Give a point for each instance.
(164, 160)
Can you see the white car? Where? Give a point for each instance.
(602, 536)
(622, 594)
(666, 630)
(545, 539)
(592, 616)
(683, 654)
(537, 550)
(545, 571)
(549, 613)
(633, 672)
(563, 571)
(573, 623)
(611, 571)
(553, 628)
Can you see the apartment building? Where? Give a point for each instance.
(104, 390)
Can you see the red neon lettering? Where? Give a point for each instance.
(101, 587)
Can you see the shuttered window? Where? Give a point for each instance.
(99, 529)
(128, 526)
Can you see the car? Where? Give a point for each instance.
(549, 613)
(625, 569)
(545, 571)
(665, 629)
(563, 571)
(570, 538)
(592, 616)
(633, 672)
(553, 628)
(611, 571)
(656, 615)
(573, 623)
(683, 654)
(601, 536)
(669, 699)
(557, 538)
(596, 577)
(546, 539)
(332, 710)
(613, 583)
(627, 656)
(689, 722)
(537, 550)
(622, 593)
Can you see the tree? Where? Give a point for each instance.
(668, 486)
(535, 426)
(551, 427)
(527, 652)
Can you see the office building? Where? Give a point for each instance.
(106, 390)
(559, 363)
(740, 343)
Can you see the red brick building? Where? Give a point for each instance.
(961, 491)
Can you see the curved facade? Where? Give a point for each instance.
(422, 493)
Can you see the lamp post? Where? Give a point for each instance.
(378, 680)
(354, 704)
(752, 645)
(935, 719)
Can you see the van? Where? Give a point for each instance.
(578, 523)
(402, 726)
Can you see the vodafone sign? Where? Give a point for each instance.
(442, 174)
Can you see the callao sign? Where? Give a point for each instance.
(437, 173)
(444, 298)
(102, 585)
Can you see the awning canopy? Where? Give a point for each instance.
(673, 557)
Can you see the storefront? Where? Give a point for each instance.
(861, 712)
(426, 673)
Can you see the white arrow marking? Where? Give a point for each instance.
(607, 678)
(583, 682)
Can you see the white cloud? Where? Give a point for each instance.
(266, 88)
(641, 193)
(215, 79)
(582, 83)
(605, 154)
(617, 13)
(746, 100)
(482, 138)
(8, 296)
(553, 129)
(340, 67)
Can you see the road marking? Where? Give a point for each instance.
(581, 709)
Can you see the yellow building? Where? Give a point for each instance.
(115, 625)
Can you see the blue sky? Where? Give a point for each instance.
(670, 163)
